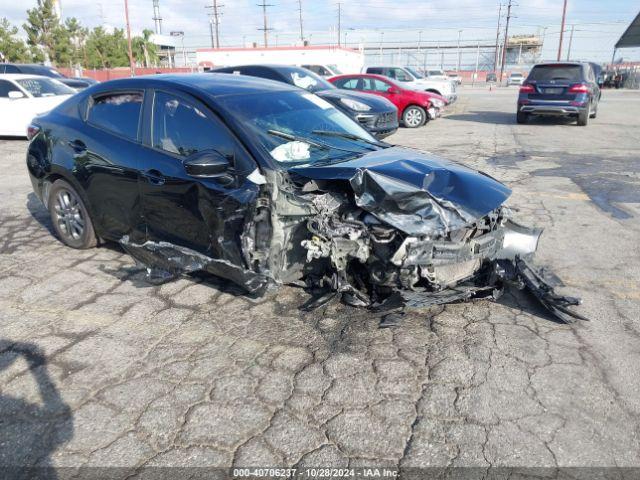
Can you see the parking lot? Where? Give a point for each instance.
(100, 368)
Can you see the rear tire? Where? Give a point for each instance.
(583, 118)
(70, 217)
(414, 116)
(522, 117)
(594, 114)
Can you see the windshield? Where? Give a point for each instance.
(546, 73)
(414, 72)
(335, 69)
(44, 87)
(436, 73)
(516, 75)
(308, 80)
(306, 120)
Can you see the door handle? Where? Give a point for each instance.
(78, 146)
(154, 177)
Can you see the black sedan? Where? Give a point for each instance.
(262, 183)
(43, 70)
(377, 115)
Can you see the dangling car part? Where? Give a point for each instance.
(263, 184)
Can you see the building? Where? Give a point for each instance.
(347, 60)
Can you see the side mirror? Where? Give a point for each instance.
(15, 94)
(207, 164)
(393, 90)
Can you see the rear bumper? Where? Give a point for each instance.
(551, 109)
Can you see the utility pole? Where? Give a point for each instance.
(506, 41)
(570, 42)
(495, 60)
(132, 65)
(264, 29)
(458, 66)
(339, 26)
(300, 12)
(215, 23)
(157, 19)
(564, 16)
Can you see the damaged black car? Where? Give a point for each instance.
(263, 184)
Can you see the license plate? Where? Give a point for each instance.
(553, 91)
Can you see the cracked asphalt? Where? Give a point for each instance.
(100, 368)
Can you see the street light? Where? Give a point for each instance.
(184, 52)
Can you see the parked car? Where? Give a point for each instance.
(515, 78)
(414, 108)
(36, 69)
(436, 74)
(491, 77)
(376, 115)
(22, 97)
(262, 183)
(414, 80)
(323, 70)
(565, 89)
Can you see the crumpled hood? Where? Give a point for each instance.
(416, 192)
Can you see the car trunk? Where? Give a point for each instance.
(554, 82)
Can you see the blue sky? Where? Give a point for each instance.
(597, 24)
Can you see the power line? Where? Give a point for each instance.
(264, 29)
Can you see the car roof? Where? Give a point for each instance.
(21, 76)
(270, 66)
(214, 84)
(560, 64)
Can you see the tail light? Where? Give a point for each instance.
(32, 130)
(527, 89)
(579, 88)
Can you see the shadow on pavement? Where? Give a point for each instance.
(31, 432)
(507, 118)
(39, 212)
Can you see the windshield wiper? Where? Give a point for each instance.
(350, 136)
(312, 143)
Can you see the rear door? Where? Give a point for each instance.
(203, 214)
(105, 157)
(15, 112)
(553, 82)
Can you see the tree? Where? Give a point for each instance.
(106, 50)
(42, 29)
(12, 49)
(143, 48)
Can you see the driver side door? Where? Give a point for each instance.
(205, 213)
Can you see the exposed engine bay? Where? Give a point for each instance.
(383, 235)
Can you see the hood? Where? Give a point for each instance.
(377, 104)
(416, 192)
(74, 83)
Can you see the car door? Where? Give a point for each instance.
(203, 214)
(384, 89)
(104, 155)
(14, 110)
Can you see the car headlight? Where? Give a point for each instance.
(437, 103)
(355, 105)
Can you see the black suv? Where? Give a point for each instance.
(561, 89)
(36, 69)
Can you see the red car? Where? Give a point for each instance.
(414, 108)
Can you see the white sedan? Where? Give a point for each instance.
(23, 97)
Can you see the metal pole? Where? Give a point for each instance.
(564, 15)
(381, 37)
(300, 11)
(217, 22)
(132, 65)
(213, 41)
(473, 81)
(570, 42)
(458, 67)
(339, 26)
(495, 60)
(506, 42)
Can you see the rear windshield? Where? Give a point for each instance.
(545, 73)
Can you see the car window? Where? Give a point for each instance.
(11, 69)
(183, 128)
(317, 69)
(376, 70)
(6, 87)
(375, 85)
(335, 70)
(307, 80)
(348, 83)
(44, 87)
(400, 75)
(117, 112)
(545, 73)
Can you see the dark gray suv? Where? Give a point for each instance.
(561, 89)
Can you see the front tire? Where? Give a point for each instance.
(583, 118)
(70, 217)
(414, 116)
(522, 117)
